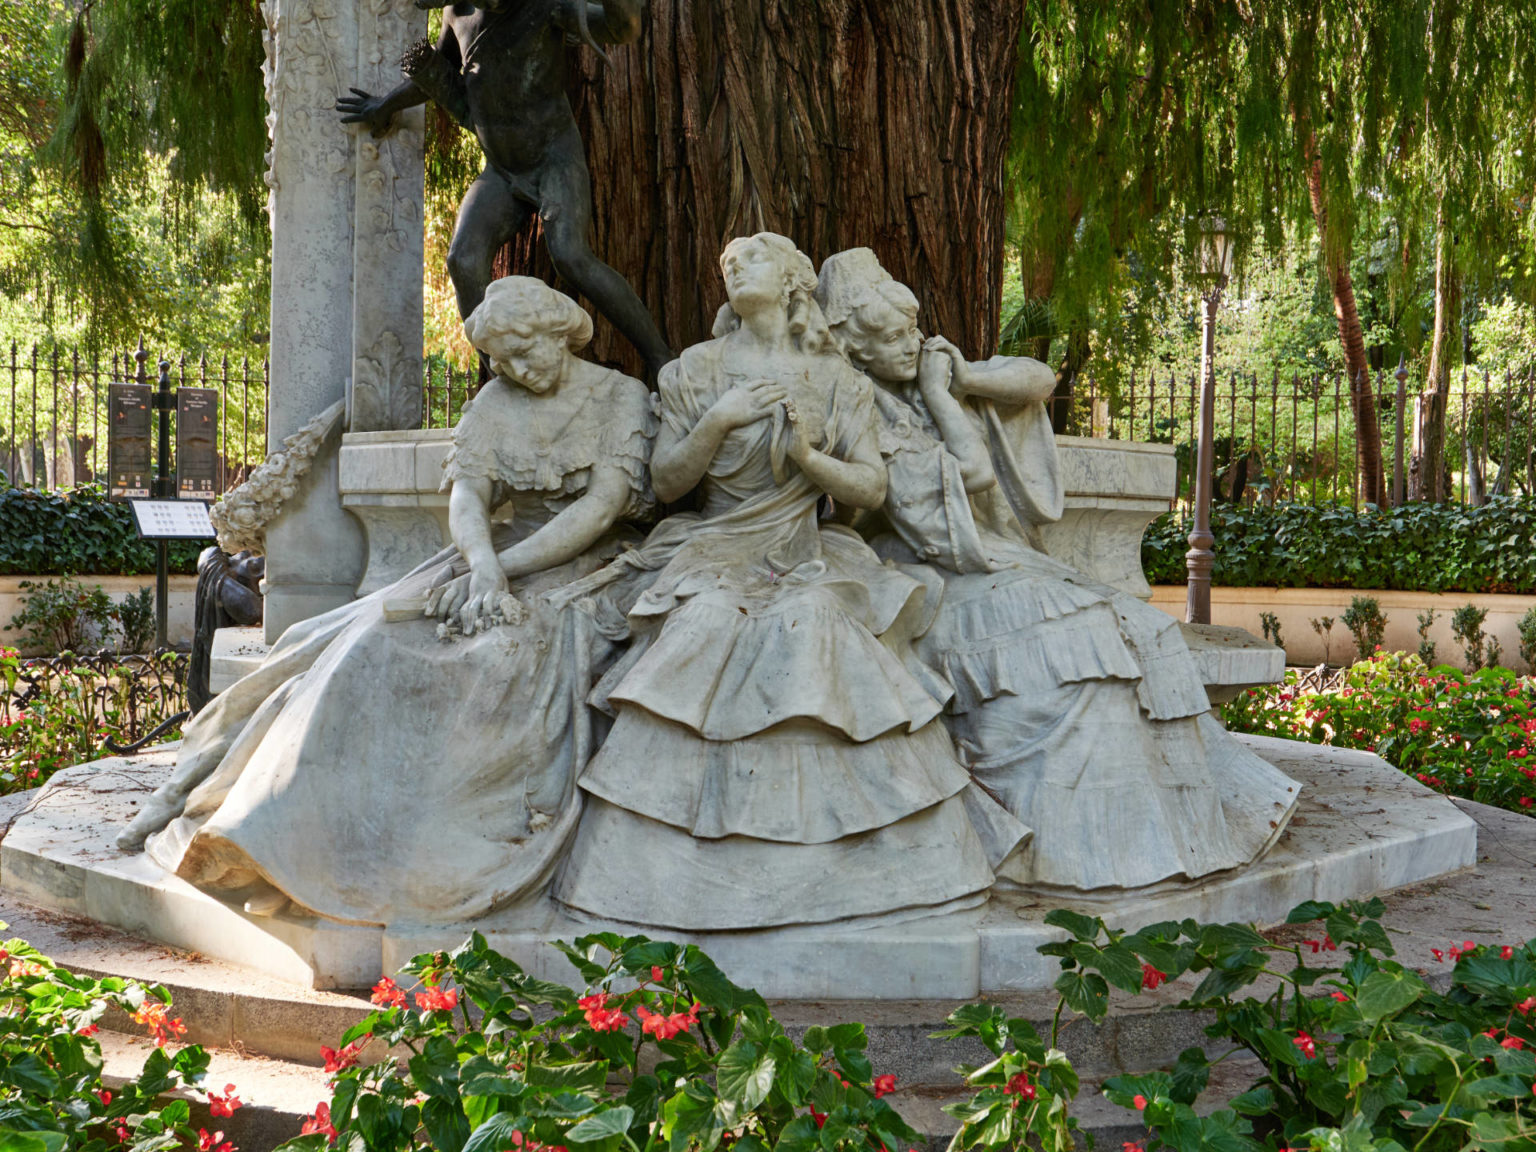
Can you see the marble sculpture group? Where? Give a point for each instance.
(849, 683)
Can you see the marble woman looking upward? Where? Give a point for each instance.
(773, 761)
(334, 775)
(1074, 704)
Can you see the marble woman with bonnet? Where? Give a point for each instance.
(1077, 706)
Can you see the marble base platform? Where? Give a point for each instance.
(1362, 828)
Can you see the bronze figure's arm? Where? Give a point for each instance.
(594, 24)
(439, 80)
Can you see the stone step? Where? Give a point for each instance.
(228, 1006)
(275, 1095)
(223, 1005)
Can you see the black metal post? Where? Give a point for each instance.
(1397, 452)
(164, 489)
(1201, 557)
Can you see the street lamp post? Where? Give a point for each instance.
(1215, 265)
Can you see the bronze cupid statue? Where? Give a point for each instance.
(499, 70)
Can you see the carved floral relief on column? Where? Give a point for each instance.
(387, 252)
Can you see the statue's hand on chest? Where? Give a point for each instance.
(794, 389)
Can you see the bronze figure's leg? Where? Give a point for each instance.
(490, 215)
(565, 203)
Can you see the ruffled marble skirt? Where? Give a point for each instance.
(1079, 708)
(774, 761)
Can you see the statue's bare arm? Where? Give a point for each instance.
(469, 521)
(679, 462)
(577, 527)
(1006, 379)
(961, 438)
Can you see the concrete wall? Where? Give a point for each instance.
(1240, 608)
(182, 606)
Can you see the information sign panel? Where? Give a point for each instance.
(128, 441)
(172, 519)
(197, 447)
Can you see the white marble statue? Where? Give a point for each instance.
(773, 759)
(388, 770)
(1075, 705)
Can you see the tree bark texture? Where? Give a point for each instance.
(838, 123)
(1428, 472)
(1362, 397)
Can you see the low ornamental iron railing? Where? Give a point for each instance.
(1280, 438)
(71, 708)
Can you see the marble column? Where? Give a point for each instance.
(345, 211)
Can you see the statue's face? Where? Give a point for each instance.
(890, 344)
(754, 278)
(535, 361)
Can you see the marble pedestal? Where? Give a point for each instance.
(1363, 828)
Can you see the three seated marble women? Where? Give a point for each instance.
(848, 684)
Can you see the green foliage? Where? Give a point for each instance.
(1362, 1055)
(51, 1065)
(1270, 623)
(63, 615)
(57, 713)
(1022, 1095)
(130, 156)
(1426, 650)
(1418, 547)
(1366, 623)
(44, 533)
(136, 620)
(1527, 629)
(1467, 627)
(1464, 734)
(662, 1052)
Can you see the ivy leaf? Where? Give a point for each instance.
(13, 1141)
(1085, 992)
(1191, 1074)
(1308, 911)
(492, 1136)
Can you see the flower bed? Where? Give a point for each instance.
(54, 713)
(1464, 734)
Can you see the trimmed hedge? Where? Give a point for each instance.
(45, 533)
(1415, 548)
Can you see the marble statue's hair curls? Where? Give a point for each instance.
(807, 326)
(526, 305)
(851, 287)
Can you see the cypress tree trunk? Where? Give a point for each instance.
(1428, 472)
(1362, 397)
(836, 122)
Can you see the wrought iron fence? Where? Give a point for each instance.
(1281, 438)
(53, 411)
(1294, 438)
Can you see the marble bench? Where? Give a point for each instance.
(1114, 489)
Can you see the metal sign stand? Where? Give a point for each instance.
(163, 517)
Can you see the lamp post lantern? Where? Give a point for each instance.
(1215, 265)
